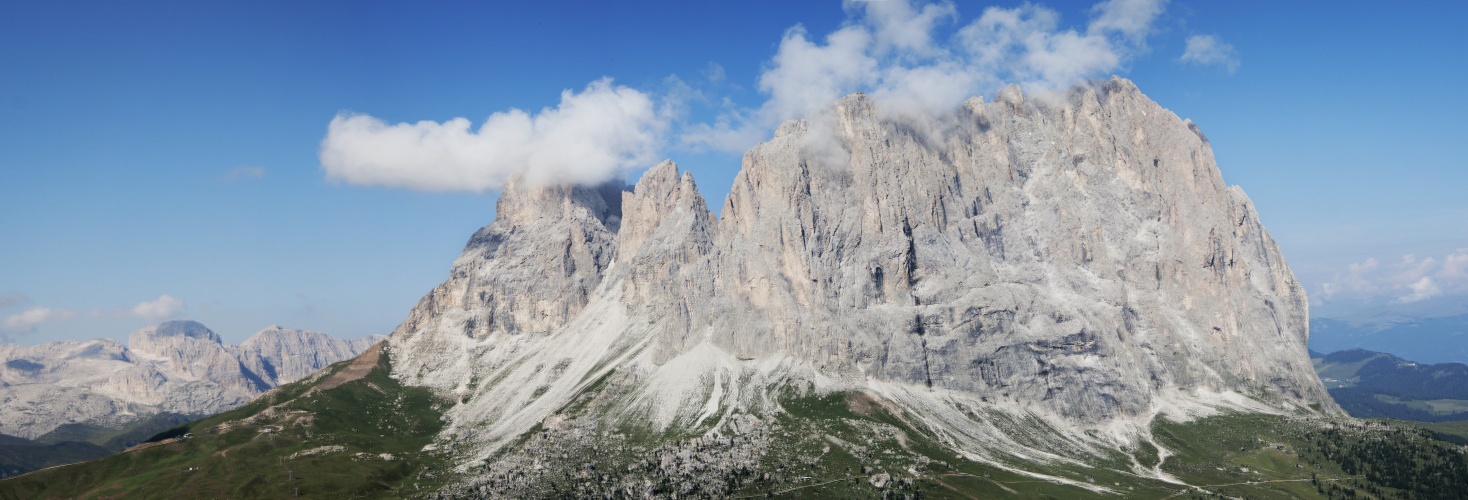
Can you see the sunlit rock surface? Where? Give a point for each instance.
(1076, 259)
(178, 367)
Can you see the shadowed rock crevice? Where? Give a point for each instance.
(1078, 256)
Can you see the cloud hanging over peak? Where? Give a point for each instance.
(591, 136)
(1209, 50)
(161, 308)
(915, 58)
(922, 59)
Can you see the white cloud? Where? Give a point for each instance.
(1455, 266)
(1129, 18)
(1411, 268)
(1027, 44)
(1209, 50)
(805, 76)
(714, 73)
(590, 136)
(26, 321)
(164, 307)
(892, 51)
(1421, 289)
(1410, 279)
(243, 173)
(896, 26)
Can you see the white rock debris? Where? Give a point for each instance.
(1076, 265)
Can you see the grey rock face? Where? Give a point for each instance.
(279, 355)
(535, 266)
(1080, 258)
(194, 351)
(1077, 256)
(178, 366)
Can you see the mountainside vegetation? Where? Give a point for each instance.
(352, 431)
(1370, 384)
(72, 443)
(347, 431)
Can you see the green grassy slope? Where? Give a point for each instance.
(365, 439)
(116, 440)
(367, 435)
(73, 443)
(18, 456)
(1370, 384)
(842, 445)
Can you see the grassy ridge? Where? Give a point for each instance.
(264, 449)
(72, 443)
(336, 444)
(115, 440)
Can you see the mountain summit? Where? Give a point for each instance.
(175, 369)
(1031, 297)
(1076, 262)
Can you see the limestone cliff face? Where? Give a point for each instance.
(1080, 258)
(179, 367)
(528, 273)
(279, 355)
(194, 351)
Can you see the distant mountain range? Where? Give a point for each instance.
(1431, 340)
(1369, 384)
(68, 401)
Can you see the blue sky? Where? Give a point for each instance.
(162, 160)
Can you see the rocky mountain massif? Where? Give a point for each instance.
(179, 367)
(1031, 297)
(1031, 280)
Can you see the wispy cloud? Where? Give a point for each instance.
(1410, 279)
(892, 51)
(916, 59)
(243, 173)
(164, 307)
(590, 136)
(1422, 289)
(1209, 50)
(26, 321)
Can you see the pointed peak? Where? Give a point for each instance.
(1011, 94)
(662, 173)
(790, 127)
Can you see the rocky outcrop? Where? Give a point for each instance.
(279, 355)
(194, 351)
(1079, 259)
(179, 367)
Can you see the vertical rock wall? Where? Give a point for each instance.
(1079, 255)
